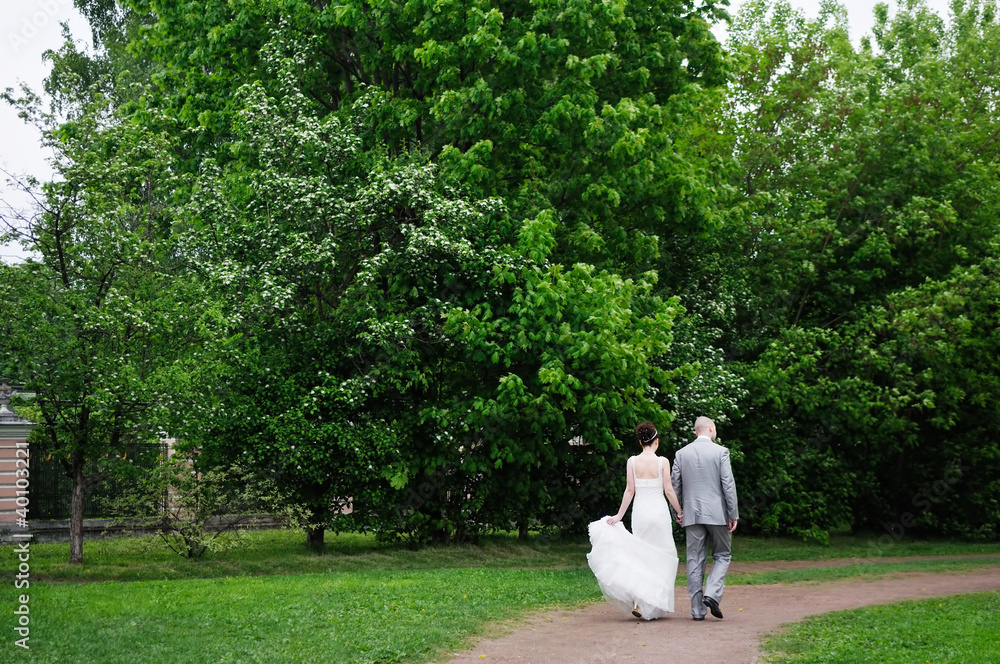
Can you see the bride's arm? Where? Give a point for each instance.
(668, 488)
(627, 496)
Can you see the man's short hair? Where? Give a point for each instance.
(703, 424)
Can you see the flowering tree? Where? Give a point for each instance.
(392, 331)
(102, 316)
(581, 108)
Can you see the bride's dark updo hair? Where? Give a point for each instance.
(646, 433)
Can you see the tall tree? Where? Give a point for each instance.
(576, 115)
(392, 333)
(869, 178)
(101, 316)
(576, 107)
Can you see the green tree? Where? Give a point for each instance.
(340, 264)
(581, 118)
(578, 116)
(581, 108)
(391, 334)
(101, 316)
(869, 178)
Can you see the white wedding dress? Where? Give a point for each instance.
(638, 568)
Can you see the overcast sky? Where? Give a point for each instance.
(30, 27)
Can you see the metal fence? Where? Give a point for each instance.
(52, 488)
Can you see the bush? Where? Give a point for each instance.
(194, 511)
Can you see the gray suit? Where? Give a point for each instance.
(703, 480)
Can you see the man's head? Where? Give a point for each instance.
(703, 426)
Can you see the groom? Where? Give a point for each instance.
(706, 490)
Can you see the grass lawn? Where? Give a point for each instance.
(343, 618)
(868, 570)
(284, 552)
(361, 602)
(865, 548)
(962, 630)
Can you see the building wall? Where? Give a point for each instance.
(9, 464)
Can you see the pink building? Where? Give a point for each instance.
(15, 477)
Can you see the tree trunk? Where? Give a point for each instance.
(522, 530)
(315, 538)
(76, 514)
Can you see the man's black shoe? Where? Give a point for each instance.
(713, 606)
(697, 617)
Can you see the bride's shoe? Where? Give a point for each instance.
(635, 610)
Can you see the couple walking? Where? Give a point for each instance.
(636, 571)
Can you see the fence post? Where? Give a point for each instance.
(14, 456)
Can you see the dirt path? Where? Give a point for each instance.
(599, 633)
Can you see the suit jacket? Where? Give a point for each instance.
(704, 483)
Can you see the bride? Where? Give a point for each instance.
(636, 570)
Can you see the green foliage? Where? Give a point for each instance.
(872, 189)
(448, 242)
(388, 329)
(391, 334)
(579, 108)
(102, 318)
(194, 510)
(570, 356)
(338, 265)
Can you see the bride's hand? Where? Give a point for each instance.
(612, 520)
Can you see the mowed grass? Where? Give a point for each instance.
(270, 552)
(864, 570)
(961, 630)
(869, 547)
(283, 552)
(348, 618)
(362, 601)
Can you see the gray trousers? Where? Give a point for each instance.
(697, 554)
